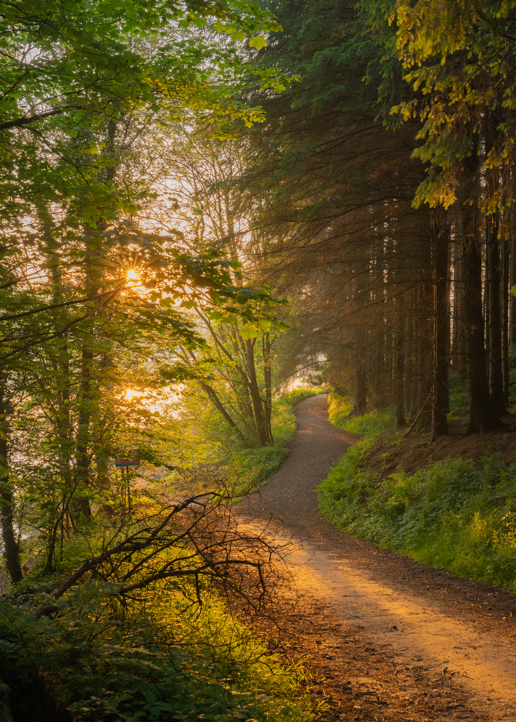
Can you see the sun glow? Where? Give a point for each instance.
(130, 394)
(133, 277)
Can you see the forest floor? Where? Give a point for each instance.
(413, 452)
(385, 638)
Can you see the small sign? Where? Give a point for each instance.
(131, 460)
(126, 462)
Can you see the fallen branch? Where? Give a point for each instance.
(198, 539)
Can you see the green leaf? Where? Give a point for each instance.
(258, 42)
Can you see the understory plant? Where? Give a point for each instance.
(458, 514)
(102, 659)
(142, 629)
(206, 449)
(374, 422)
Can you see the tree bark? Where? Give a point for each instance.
(217, 403)
(512, 231)
(458, 350)
(82, 459)
(360, 395)
(399, 363)
(267, 377)
(495, 317)
(11, 547)
(505, 321)
(442, 322)
(481, 415)
(255, 395)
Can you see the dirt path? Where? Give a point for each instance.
(393, 639)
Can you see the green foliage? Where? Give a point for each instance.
(155, 661)
(343, 494)
(93, 301)
(370, 424)
(456, 513)
(458, 395)
(459, 65)
(340, 408)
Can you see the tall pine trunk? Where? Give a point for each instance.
(458, 345)
(399, 363)
(11, 548)
(495, 316)
(256, 398)
(442, 324)
(505, 319)
(481, 415)
(360, 389)
(512, 240)
(267, 378)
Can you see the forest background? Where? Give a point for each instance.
(200, 203)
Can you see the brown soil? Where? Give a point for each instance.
(387, 638)
(415, 451)
(352, 677)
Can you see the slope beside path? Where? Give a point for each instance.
(421, 617)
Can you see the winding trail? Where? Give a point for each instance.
(422, 615)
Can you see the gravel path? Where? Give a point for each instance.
(453, 632)
(290, 495)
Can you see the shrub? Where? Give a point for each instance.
(102, 660)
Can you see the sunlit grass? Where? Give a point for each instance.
(457, 514)
(374, 422)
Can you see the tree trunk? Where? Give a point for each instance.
(413, 368)
(426, 351)
(442, 323)
(495, 317)
(505, 321)
(458, 351)
(62, 363)
(512, 231)
(379, 380)
(82, 460)
(11, 548)
(360, 395)
(267, 377)
(217, 403)
(481, 415)
(255, 395)
(379, 377)
(399, 363)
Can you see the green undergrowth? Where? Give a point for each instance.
(155, 655)
(457, 514)
(153, 658)
(370, 424)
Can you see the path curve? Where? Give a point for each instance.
(422, 614)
